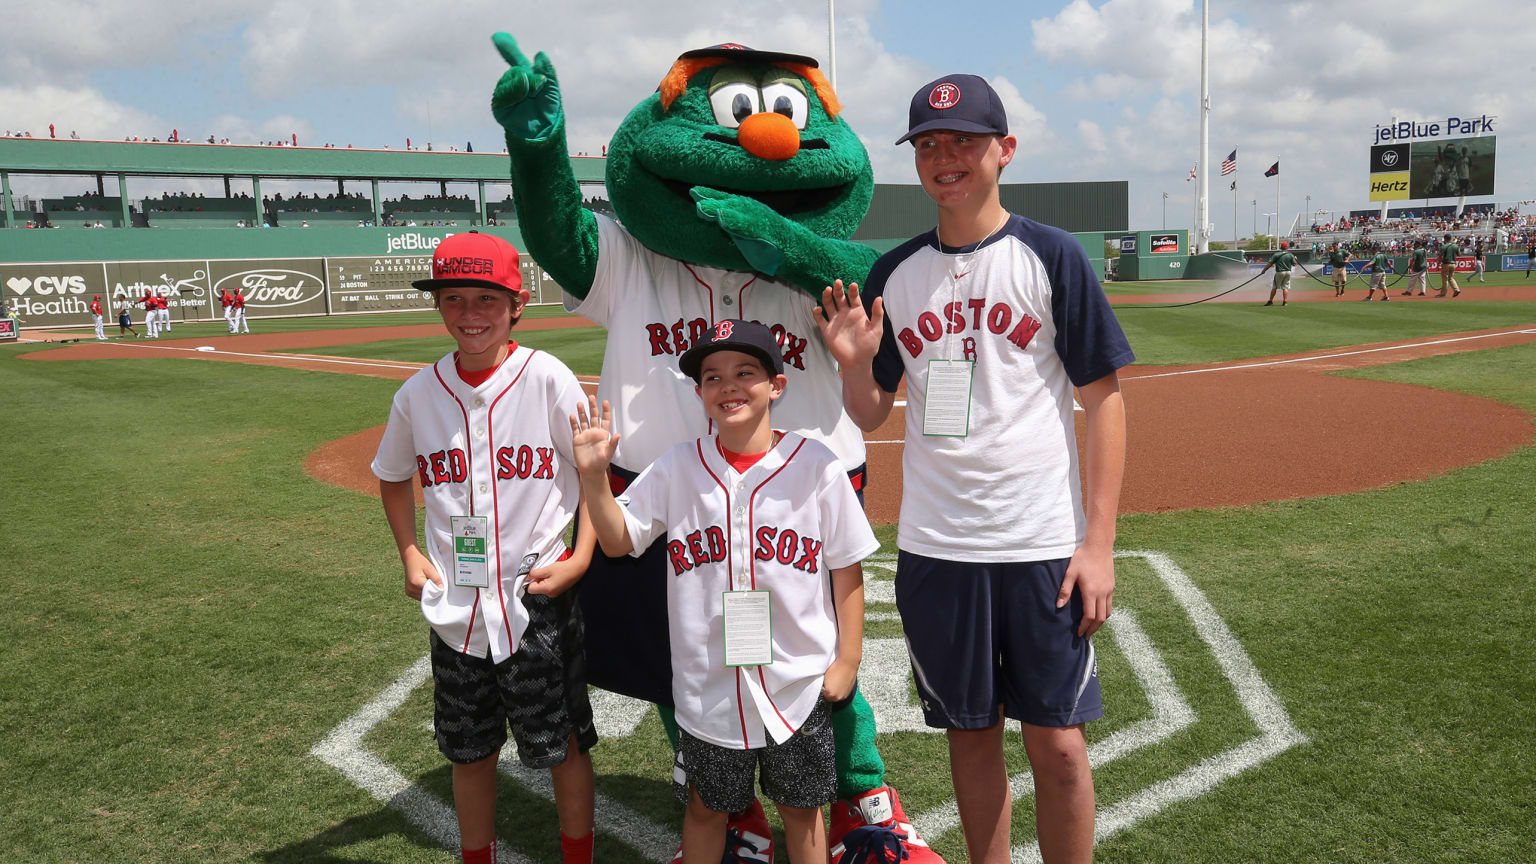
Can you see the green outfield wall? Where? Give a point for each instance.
(1154, 255)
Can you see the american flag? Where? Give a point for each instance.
(1229, 164)
(1193, 172)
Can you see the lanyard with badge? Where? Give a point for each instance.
(947, 400)
(470, 552)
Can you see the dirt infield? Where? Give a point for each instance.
(1228, 434)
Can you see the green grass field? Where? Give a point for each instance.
(191, 614)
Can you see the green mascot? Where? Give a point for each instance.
(736, 185)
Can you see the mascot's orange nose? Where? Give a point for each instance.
(769, 136)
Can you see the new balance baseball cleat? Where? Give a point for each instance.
(748, 838)
(873, 829)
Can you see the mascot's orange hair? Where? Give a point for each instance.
(676, 81)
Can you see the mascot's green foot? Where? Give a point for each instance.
(873, 829)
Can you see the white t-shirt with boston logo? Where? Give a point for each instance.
(782, 526)
(655, 308)
(1028, 310)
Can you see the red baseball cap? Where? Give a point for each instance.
(473, 259)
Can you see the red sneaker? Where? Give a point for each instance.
(748, 838)
(873, 829)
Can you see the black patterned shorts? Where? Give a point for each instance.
(540, 692)
(798, 773)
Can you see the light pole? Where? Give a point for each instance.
(1255, 218)
(1270, 240)
(1310, 215)
(1165, 211)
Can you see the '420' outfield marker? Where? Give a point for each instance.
(883, 678)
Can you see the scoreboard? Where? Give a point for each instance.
(378, 284)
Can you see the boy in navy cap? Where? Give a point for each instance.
(765, 595)
(1003, 573)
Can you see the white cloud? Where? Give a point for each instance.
(1091, 135)
(79, 109)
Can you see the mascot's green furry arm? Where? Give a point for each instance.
(780, 193)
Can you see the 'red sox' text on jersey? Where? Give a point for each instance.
(501, 450)
(655, 308)
(781, 526)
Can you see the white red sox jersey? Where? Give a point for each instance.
(655, 308)
(782, 526)
(500, 450)
(1028, 310)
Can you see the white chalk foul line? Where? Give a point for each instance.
(586, 381)
(1276, 731)
(307, 358)
(343, 750)
(1170, 713)
(1335, 355)
(883, 679)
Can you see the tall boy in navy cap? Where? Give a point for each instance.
(1004, 572)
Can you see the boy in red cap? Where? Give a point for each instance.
(484, 431)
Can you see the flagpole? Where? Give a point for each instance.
(1234, 212)
(832, 43)
(1203, 209)
(1277, 199)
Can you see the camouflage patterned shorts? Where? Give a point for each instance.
(540, 692)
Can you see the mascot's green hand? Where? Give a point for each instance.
(757, 229)
(526, 101)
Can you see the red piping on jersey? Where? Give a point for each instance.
(698, 445)
(490, 414)
(707, 287)
(709, 428)
(741, 303)
(764, 682)
(468, 634)
(752, 503)
(740, 714)
(470, 457)
(711, 289)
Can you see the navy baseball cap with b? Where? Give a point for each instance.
(956, 103)
(734, 334)
(475, 260)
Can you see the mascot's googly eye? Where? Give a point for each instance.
(781, 97)
(734, 102)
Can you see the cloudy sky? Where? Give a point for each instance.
(1096, 89)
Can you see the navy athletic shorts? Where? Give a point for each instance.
(624, 604)
(981, 635)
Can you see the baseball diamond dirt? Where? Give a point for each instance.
(1216, 435)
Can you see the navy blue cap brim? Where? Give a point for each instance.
(692, 361)
(750, 55)
(944, 125)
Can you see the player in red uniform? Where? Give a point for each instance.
(163, 306)
(151, 316)
(238, 303)
(228, 303)
(96, 317)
